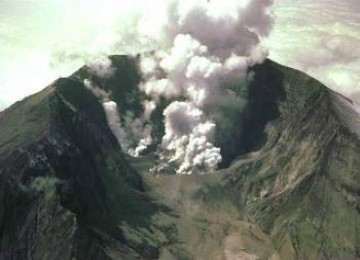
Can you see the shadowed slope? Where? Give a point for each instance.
(291, 191)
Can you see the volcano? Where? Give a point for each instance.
(288, 186)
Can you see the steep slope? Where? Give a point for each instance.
(302, 186)
(294, 191)
(291, 190)
(65, 184)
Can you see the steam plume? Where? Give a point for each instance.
(204, 49)
(132, 134)
(208, 49)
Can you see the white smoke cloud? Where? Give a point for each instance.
(60, 36)
(114, 122)
(202, 50)
(189, 135)
(207, 48)
(149, 107)
(98, 92)
(138, 133)
(101, 67)
(133, 134)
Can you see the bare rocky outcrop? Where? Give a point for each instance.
(288, 187)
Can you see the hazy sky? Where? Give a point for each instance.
(320, 37)
(41, 40)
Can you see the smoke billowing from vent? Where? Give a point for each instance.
(132, 134)
(208, 49)
(188, 135)
(204, 49)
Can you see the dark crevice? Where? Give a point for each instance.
(265, 92)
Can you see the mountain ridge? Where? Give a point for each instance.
(62, 172)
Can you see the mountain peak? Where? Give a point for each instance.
(288, 187)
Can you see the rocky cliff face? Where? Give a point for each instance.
(289, 191)
(68, 182)
(302, 186)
